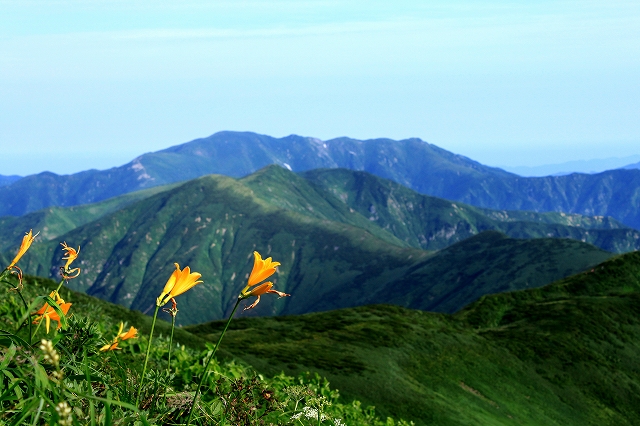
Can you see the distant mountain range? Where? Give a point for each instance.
(344, 238)
(416, 164)
(632, 166)
(8, 180)
(581, 166)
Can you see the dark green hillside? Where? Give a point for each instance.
(434, 223)
(563, 354)
(213, 224)
(485, 264)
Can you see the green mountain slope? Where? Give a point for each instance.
(416, 164)
(485, 264)
(563, 354)
(433, 223)
(213, 224)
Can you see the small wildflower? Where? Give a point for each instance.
(262, 269)
(110, 347)
(65, 417)
(131, 334)
(262, 289)
(71, 255)
(179, 282)
(50, 354)
(48, 313)
(310, 413)
(24, 246)
(120, 336)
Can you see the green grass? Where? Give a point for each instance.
(563, 354)
(101, 387)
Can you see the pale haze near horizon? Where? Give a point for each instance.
(93, 84)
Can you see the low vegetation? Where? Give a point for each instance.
(563, 354)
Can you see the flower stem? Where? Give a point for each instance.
(24, 302)
(60, 286)
(146, 358)
(173, 326)
(37, 328)
(206, 367)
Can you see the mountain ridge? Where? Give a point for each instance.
(416, 164)
(214, 223)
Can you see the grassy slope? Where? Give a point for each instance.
(512, 358)
(564, 354)
(488, 263)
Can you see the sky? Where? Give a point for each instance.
(93, 84)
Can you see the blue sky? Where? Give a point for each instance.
(92, 84)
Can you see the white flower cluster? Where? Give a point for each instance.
(64, 414)
(50, 354)
(310, 413)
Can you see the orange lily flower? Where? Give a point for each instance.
(24, 246)
(179, 282)
(120, 336)
(48, 313)
(110, 347)
(131, 334)
(262, 269)
(71, 255)
(262, 289)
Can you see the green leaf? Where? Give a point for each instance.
(107, 410)
(107, 401)
(42, 379)
(8, 356)
(8, 395)
(26, 411)
(7, 339)
(63, 318)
